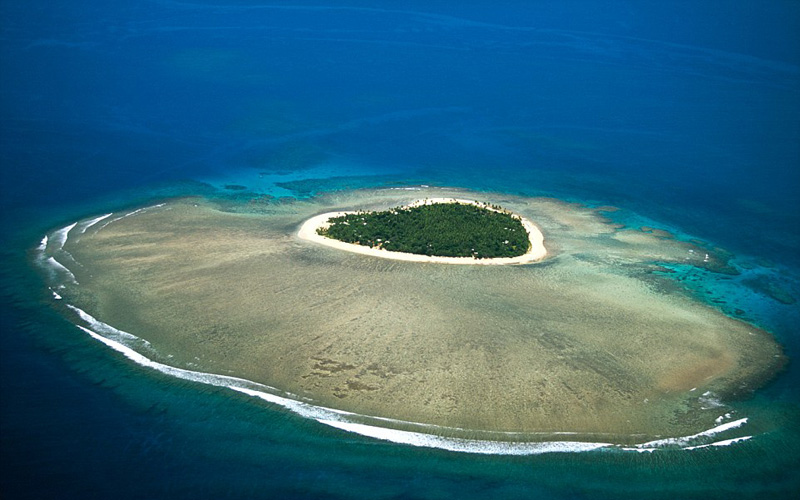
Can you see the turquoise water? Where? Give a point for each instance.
(687, 117)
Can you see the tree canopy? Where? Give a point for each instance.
(437, 229)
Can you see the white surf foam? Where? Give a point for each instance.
(105, 328)
(339, 420)
(55, 243)
(60, 268)
(307, 410)
(206, 378)
(720, 419)
(709, 400)
(464, 445)
(129, 214)
(685, 440)
(726, 442)
(60, 236)
(86, 225)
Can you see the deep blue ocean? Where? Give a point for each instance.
(684, 114)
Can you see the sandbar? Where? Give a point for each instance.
(537, 251)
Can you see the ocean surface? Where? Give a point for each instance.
(686, 115)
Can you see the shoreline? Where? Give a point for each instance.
(537, 252)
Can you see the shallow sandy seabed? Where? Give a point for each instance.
(584, 341)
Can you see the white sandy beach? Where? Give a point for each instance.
(308, 231)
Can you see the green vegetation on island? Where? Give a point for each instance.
(437, 229)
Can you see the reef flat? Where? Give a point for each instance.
(584, 342)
